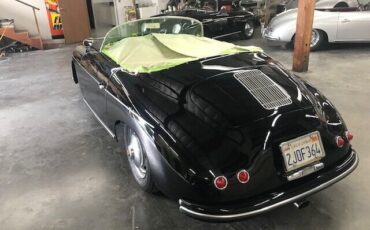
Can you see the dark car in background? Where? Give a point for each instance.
(219, 18)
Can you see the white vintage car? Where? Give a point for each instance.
(325, 4)
(351, 24)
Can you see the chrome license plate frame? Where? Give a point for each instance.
(298, 147)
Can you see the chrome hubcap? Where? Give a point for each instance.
(136, 156)
(248, 30)
(315, 38)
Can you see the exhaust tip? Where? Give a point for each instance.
(301, 204)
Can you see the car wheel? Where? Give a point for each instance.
(341, 5)
(248, 30)
(317, 40)
(133, 149)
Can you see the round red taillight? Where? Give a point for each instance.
(243, 176)
(349, 136)
(340, 141)
(220, 182)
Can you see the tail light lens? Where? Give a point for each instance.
(339, 141)
(349, 136)
(220, 182)
(243, 176)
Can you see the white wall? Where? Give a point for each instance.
(23, 16)
(161, 5)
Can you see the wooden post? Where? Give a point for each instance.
(267, 12)
(38, 27)
(306, 9)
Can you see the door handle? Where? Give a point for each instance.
(101, 86)
(345, 20)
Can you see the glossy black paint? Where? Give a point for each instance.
(218, 23)
(197, 122)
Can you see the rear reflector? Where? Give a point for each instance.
(220, 182)
(243, 176)
(349, 136)
(339, 141)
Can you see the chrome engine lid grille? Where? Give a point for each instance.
(269, 94)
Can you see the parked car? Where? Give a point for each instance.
(335, 25)
(324, 4)
(220, 20)
(277, 6)
(225, 129)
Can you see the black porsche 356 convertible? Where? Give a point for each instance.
(224, 129)
(220, 20)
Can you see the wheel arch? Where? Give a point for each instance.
(324, 32)
(117, 125)
(74, 73)
(341, 4)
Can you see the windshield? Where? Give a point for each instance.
(161, 25)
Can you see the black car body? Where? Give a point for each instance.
(220, 19)
(197, 122)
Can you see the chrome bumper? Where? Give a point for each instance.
(272, 41)
(200, 213)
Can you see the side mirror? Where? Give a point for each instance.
(88, 42)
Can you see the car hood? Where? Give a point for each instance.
(212, 85)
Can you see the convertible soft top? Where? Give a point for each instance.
(155, 52)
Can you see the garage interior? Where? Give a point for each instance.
(60, 170)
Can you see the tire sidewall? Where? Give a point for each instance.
(243, 33)
(145, 183)
(321, 41)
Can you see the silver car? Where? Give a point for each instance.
(324, 4)
(334, 25)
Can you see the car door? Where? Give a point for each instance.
(213, 24)
(92, 82)
(354, 26)
(224, 23)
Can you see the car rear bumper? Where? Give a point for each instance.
(273, 42)
(271, 201)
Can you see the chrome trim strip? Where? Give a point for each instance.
(273, 206)
(101, 122)
(224, 35)
(97, 82)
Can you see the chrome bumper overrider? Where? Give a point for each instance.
(185, 207)
(270, 40)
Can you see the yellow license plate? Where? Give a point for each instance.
(302, 151)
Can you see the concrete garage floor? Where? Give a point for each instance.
(59, 169)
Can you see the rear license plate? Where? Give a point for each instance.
(302, 151)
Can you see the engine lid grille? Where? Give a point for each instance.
(269, 94)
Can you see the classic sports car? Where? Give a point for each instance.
(224, 129)
(325, 4)
(333, 25)
(220, 21)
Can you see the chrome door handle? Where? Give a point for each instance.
(346, 20)
(101, 86)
